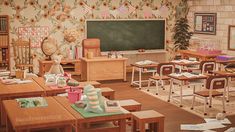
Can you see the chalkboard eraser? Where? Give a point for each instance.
(141, 50)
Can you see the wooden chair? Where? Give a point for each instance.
(205, 67)
(91, 45)
(22, 54)
(213, 84)
(163, 70)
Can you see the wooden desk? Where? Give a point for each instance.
(18, 90)
(229, 76)
(103, 68)
(203, 57)
(26, 119)
(71, 66)
(183, 65)
(53, 92)
(183, 80)
(81, 121)
(142, 69)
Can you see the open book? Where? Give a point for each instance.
(32, 102)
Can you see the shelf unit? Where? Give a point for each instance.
(70, 66)
(4, 42)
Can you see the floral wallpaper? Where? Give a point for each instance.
(66, 18)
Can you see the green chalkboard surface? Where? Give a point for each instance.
(122, 35)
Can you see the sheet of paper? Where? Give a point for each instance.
(225, 121)
(231, 129)
(212, 125)
(209, 131)
(194, 127)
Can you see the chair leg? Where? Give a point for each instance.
(193, 102)
(205, 106)
(157, 87)
(149, 81)
(210, 103)
(170, 90)
(223, 101)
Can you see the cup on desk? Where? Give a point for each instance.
(75, 95)
(90, 55)
(20, 74)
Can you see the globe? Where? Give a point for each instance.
(49, 46)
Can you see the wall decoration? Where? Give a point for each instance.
(36, 34)
(205, 23)
(231, 37)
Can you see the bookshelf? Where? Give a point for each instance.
(4, 41)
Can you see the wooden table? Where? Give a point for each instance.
(183, 80)
(25, 119)
(108, 93)
(13, 91)
(71, 66)
(103, 68)
(201, 56)
(221, 63)
(130, 105)
(52, 92)
(142, 69)
(81, 121)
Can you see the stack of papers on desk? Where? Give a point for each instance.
(186, 74)
(145, 62)
(184, 61)
(15, 81)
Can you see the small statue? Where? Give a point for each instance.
(56, 68)
(93, 99)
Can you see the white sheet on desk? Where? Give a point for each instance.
(202, 126)
(144, 62)
(184, 61)
(209, 131)
(231, 129)
(24, 81)
(224, 121)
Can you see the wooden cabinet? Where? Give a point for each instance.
(4, 41)
(70, 66)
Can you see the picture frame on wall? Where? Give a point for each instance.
(205, 23)
(231, 37)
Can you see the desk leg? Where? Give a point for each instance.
(170, 92)
(122, 125)
(181, 93)
(228, 87)
(140, 79)
(160, 125)
(132, 75)
(67, 128)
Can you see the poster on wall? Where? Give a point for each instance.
(205, 23)
(231, 37)
(36, 34)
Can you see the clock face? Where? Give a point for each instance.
(49, 46)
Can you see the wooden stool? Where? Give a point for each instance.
(94, 83)
(108, 93)
(153, 118)
(130, 105)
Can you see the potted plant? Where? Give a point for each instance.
(181, 35)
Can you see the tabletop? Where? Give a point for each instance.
(50, 115)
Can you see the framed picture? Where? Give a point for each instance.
(205, 23)
(231, 37)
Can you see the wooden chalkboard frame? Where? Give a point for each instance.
(132, 51)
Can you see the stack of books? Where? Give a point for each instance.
(112, 106)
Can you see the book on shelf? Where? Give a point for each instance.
(112, 106)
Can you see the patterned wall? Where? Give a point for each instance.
(58, 18)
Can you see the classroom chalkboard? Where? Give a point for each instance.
(123, 35)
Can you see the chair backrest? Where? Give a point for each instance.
(22, 51)
(216, 82)
(165, 68)
(207, 66)
(91, 45)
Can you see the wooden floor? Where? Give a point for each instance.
(174, 116)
